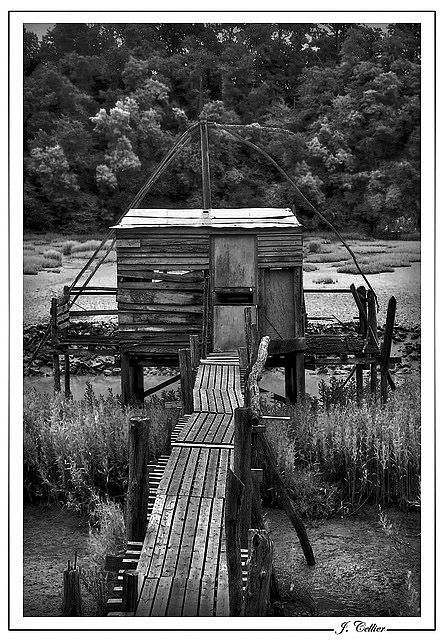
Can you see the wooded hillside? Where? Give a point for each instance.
(104, 102)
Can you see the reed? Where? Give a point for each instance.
(76, 450)
(352, 454)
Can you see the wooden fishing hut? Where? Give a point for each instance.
(201, 271)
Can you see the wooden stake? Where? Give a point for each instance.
(373, 329)
(72, 596)
(386, 347)
(130, 591)
(124, 377)
(55, 345)
(285, 499)
(186, 380)
(363, 330)
(137, 496)
(253, 378)
(67, 377)
(242, 466)
(233, 505)
(195, 351)
(205, 157)
(260, 558)
(299, 324)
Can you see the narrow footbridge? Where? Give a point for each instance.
(183, 566)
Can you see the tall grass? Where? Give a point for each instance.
(350, 454)
(75, 450)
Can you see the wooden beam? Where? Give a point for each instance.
(287, 504)
(254, 377)
(291, 345)
(161, 385)
(137, 495)
(72, 595)
(233, 505)
(260, 559)
(186, 380)
(242, 465)
(386, 347)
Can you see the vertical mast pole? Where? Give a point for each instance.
(206, 184)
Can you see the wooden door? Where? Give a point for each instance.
(277, 306)
(234, 288)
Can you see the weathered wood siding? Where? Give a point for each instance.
(279, 248)
(159, 308)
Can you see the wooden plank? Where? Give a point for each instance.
(189, 472)
(161, 285)
(198, 555)
(210, 477)
(147, 597)
(175, 539)
(201, 471)
(207, 597)
(168, 473)
(224, 461)
(222, 594)
(163, 535)
(163, 592)
(220, 435)
(177, 476)
(151, 535)
(158, 297)
(142, 307)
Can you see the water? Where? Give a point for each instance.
(100, 384)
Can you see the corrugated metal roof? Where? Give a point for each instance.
(217, 218)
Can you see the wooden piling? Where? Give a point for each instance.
(130, 590)
(386, 347)
(243, 365)
(55, 346)
(362, 330)
(233, 506)
(67, 377)
(259, 567)
(248, 339)
(124, 377)
(72, 595)
(137, 496)
(195, 351)
(298, 374)
(136, 390)
(242, 466)
(186, 380)
(373, 335)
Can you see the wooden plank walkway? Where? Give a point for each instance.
(182, 566)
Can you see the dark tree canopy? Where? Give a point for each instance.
(104, 102)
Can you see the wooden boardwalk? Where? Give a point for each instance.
(182, 567)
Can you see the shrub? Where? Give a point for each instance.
(32, 265)
(314, 247)
(310, 267)
(325, 280)
(68, 246)
(89, 246)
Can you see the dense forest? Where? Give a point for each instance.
(104, 102)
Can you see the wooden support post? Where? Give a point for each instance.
(386, 347)
(362, 330)
(72, 595)
(233, 505)
(67, 377)
(195, 351)
(254, 342)
(169, 429)
(278, 484)
(205, 316)
(248, 339)
(137, 497)
(136, 391)
(253, 379)
(373, 334)
(55, 345)
(243, 364)
(299, 325)
(186, 380)
(205, 157)
(130, 591)
(124, 377)
(260, 558)
(242, 465)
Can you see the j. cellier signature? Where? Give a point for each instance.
(360, 626)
